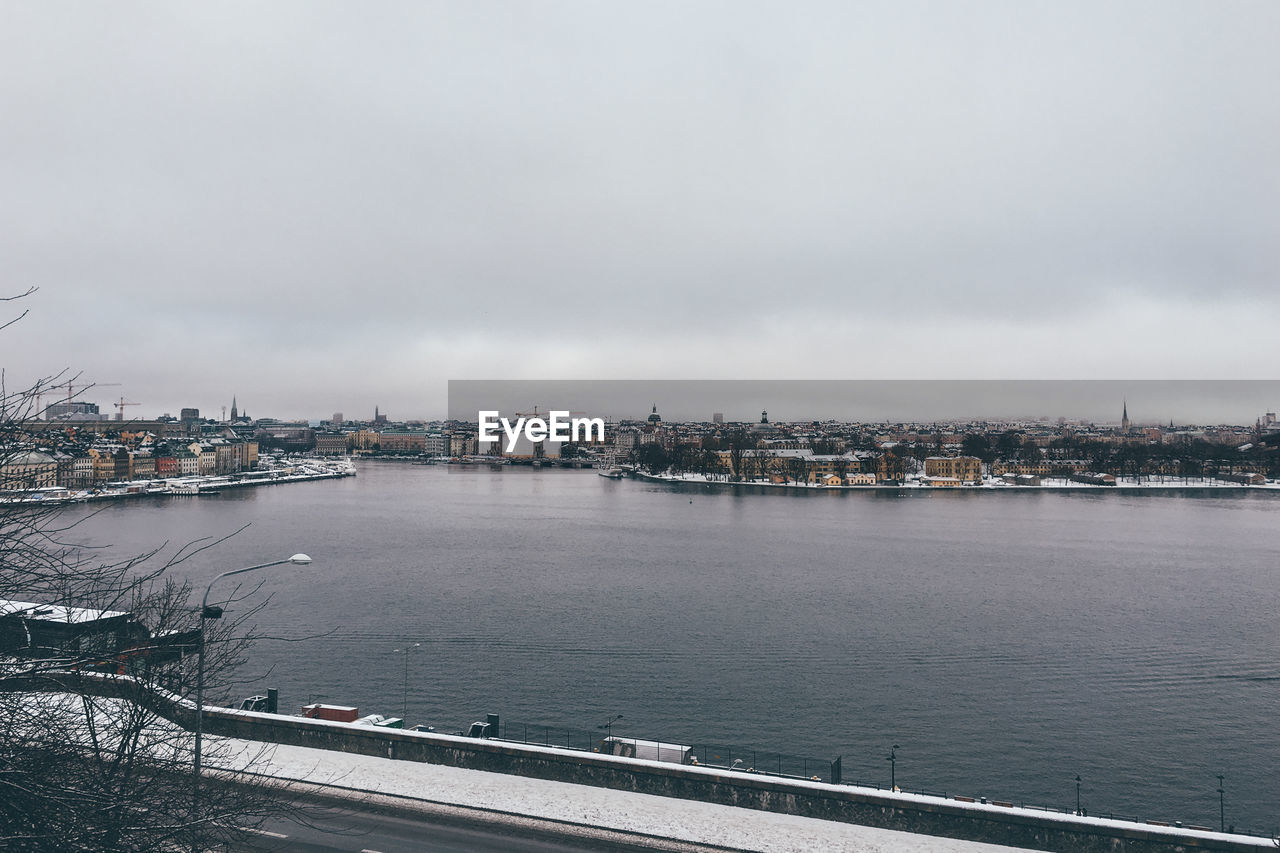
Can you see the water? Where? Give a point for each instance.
(1006, 641)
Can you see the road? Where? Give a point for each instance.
(337, 830)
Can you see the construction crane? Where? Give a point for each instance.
(71, 392)
(120, 407)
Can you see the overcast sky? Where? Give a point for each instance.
(324, 207)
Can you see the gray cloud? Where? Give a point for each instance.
(327, 206)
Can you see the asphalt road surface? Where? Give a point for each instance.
(334, 830)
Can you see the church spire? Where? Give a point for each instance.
(1124, 420)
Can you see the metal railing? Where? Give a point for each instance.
(779, 765)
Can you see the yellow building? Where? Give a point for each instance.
(1000, 467)
(942, 482)
(966, 469)
(27, 469)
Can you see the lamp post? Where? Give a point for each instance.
(1077, 793)
(893, 767)
(608, 726)
(1222, 808)
(404, 707)
(216, 613)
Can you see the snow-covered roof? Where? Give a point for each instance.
(55, 612)
(27, 457)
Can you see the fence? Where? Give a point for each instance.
(767, 763)
(602, 740)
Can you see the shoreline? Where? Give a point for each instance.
(207, 485)
(1052, 485)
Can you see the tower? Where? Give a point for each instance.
(234, 413)
(1124, 420)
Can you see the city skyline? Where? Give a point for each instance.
(955, 402)
(316, 209)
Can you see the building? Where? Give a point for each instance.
(966, 469)
(332, 443)
(461, 444)
(1094, 478)
(1041, 468)
(402, 441)
(51, 630)
(188, 462)
(75, 469)
(364, 439)
(942, 482)
(27, 469)
(73, 411)
(206, 457)
(142, 465)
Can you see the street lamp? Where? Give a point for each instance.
(1222, 808)
(893, 767)
(1077, 793)
(608, 727)
(207, 612)
(404, 708)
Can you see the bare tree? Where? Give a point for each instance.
(95, 749)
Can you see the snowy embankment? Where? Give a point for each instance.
(988, 484)
(498, 796)
(581, 810)
(204, 484)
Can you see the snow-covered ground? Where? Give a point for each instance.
(499, 794)
(666, 817)
(989, 483)
(504, 797)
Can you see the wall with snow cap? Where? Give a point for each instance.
(917, 813)
(928, 815)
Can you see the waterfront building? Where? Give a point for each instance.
(188, 462)
(941, 482)
(461, 444)
(363, 440)
(332, 443)
(626, 440)
(167, 465)
(206, 457)
(27, 469)
(142, 465)
(1041, 468)
(402, 441)
(967, 469)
